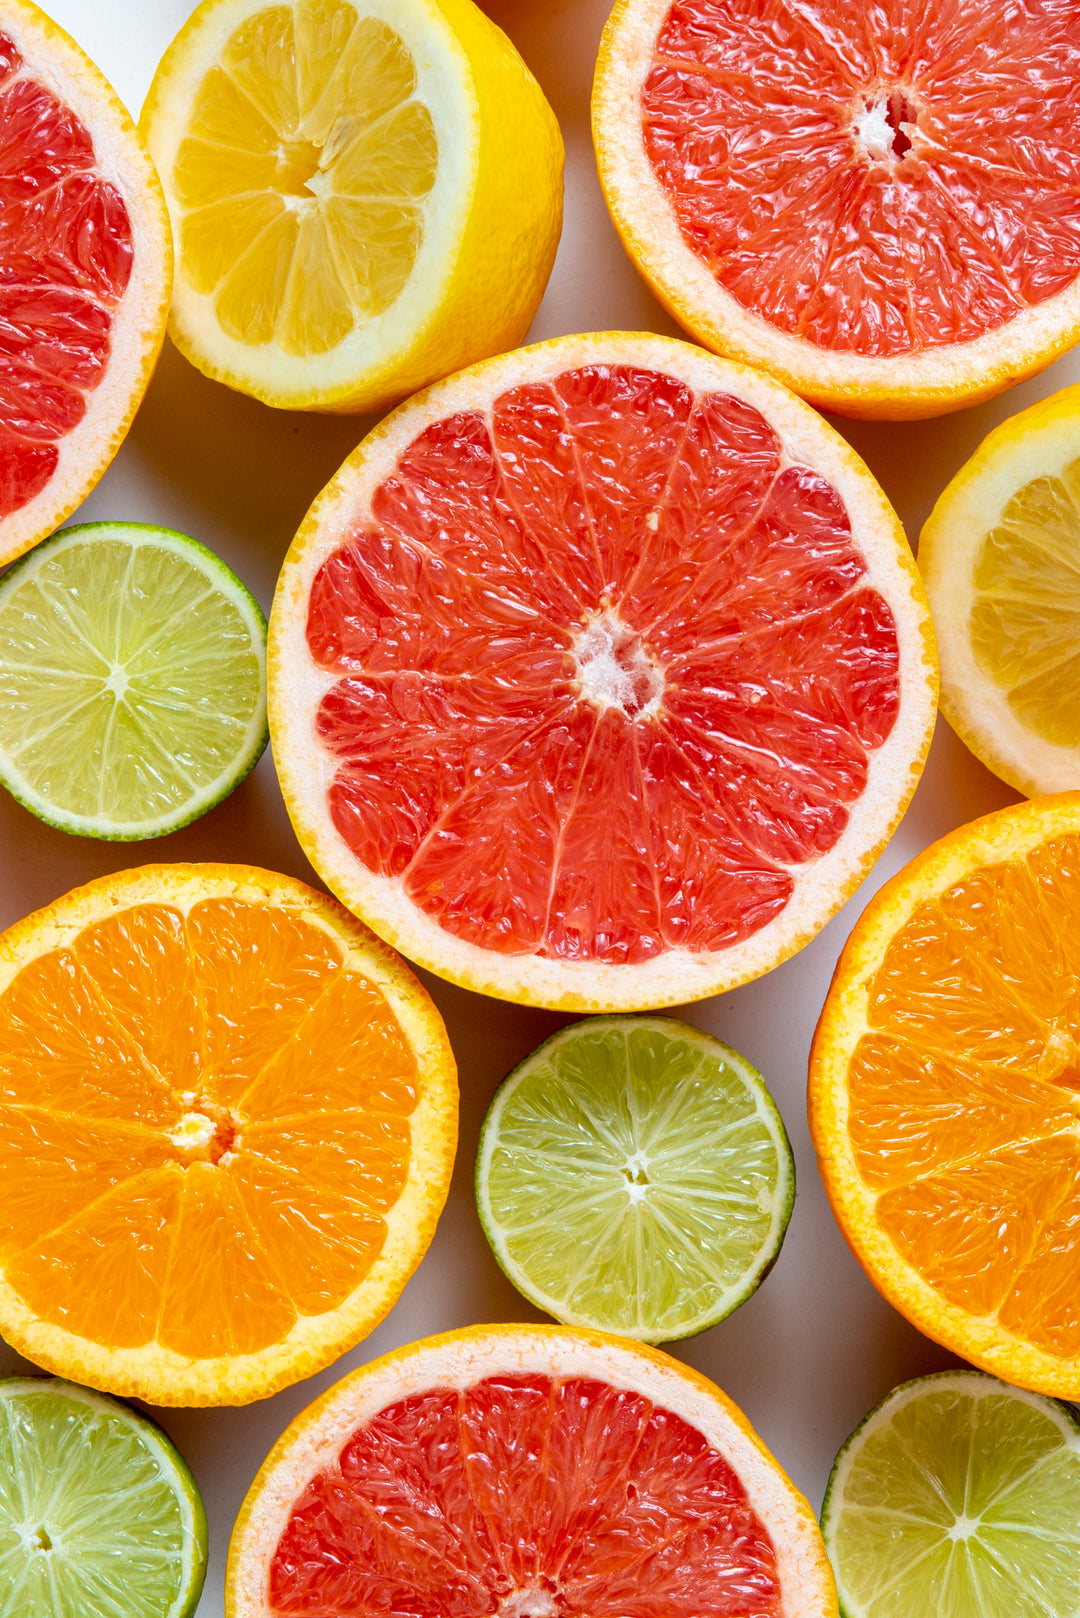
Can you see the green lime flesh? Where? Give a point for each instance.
(99, 1516)
(634, 1175)
(132, 680)
(958, 1496)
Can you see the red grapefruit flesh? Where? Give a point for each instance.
(604, 667)
(808, 183)
(77, 339)
(562, 1485)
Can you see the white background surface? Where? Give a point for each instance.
(809, 1354)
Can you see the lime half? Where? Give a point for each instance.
(132, 680)
(959, 1497)
(98, 1513)
(634, 1175)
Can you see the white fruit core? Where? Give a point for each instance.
(532, 1602)
(614, 670)
(886, 124)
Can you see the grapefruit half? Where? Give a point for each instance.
(85, 273)
(878, 204)
(599, 675)
(527, 1472)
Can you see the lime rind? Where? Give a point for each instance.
(687, 1136)
(923, 1515)
(179, 751)
(98, 1510)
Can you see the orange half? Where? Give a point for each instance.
(227, 1126)
(945, 1093)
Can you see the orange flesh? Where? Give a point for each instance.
(65, 262)
(126, 1226)
(965, 1097)
(526, 1495)
(875, 179)
(607, 669)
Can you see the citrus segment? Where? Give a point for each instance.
(944, 1093)
(85, 246)
(821, 191)
(1001, 557)
(540, 664)
(361, 201)
(634, 1175)
(190, 1213)
(98, 1512)
(956, 1495)
(525, 1471)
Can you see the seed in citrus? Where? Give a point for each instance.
(364, 197)
(1000, 554)
(599, 675)
(823, 190)
(85, 271)
(227, 1124)
(945, 1093)
(528, 1472)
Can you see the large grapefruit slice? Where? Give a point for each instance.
(877, 203)
(525, 1472)
(85, 270)
(599, 675)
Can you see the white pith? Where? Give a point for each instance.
(138, 321)
(458, 1361)
(444, 85)
(1040, 443)
(306, 769)
(162, 1375)
(918, 383)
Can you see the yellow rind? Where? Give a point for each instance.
(506, 236)
(162, 1376)
(586, 987)
(1007, 834)
(910, 387)
(324, 1427)
(1038, 441)
(136, 337)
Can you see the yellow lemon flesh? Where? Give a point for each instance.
(365, 197)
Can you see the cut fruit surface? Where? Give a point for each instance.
(957, 1496)
(132, 680)
(634, 1175)
(85, 270)
(98, 1513)
(599, 675)
(227, 1124)
(364, 197)
(944, 1098)
(877, 205)
(526, 1472)
(1000, 554)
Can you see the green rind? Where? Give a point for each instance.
(247, 756)
(173, 1468)
(894, 1399)
(770, 1251)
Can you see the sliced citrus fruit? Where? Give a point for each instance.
(599, 675)
(227, 1124)
(528, 1472)
(132, 680)
(957, 1496)
(875, 203)
(364, 197)
(1000, 555)
(945, 1093)
(635, 1176)
(98, 1513)
(85, 268)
